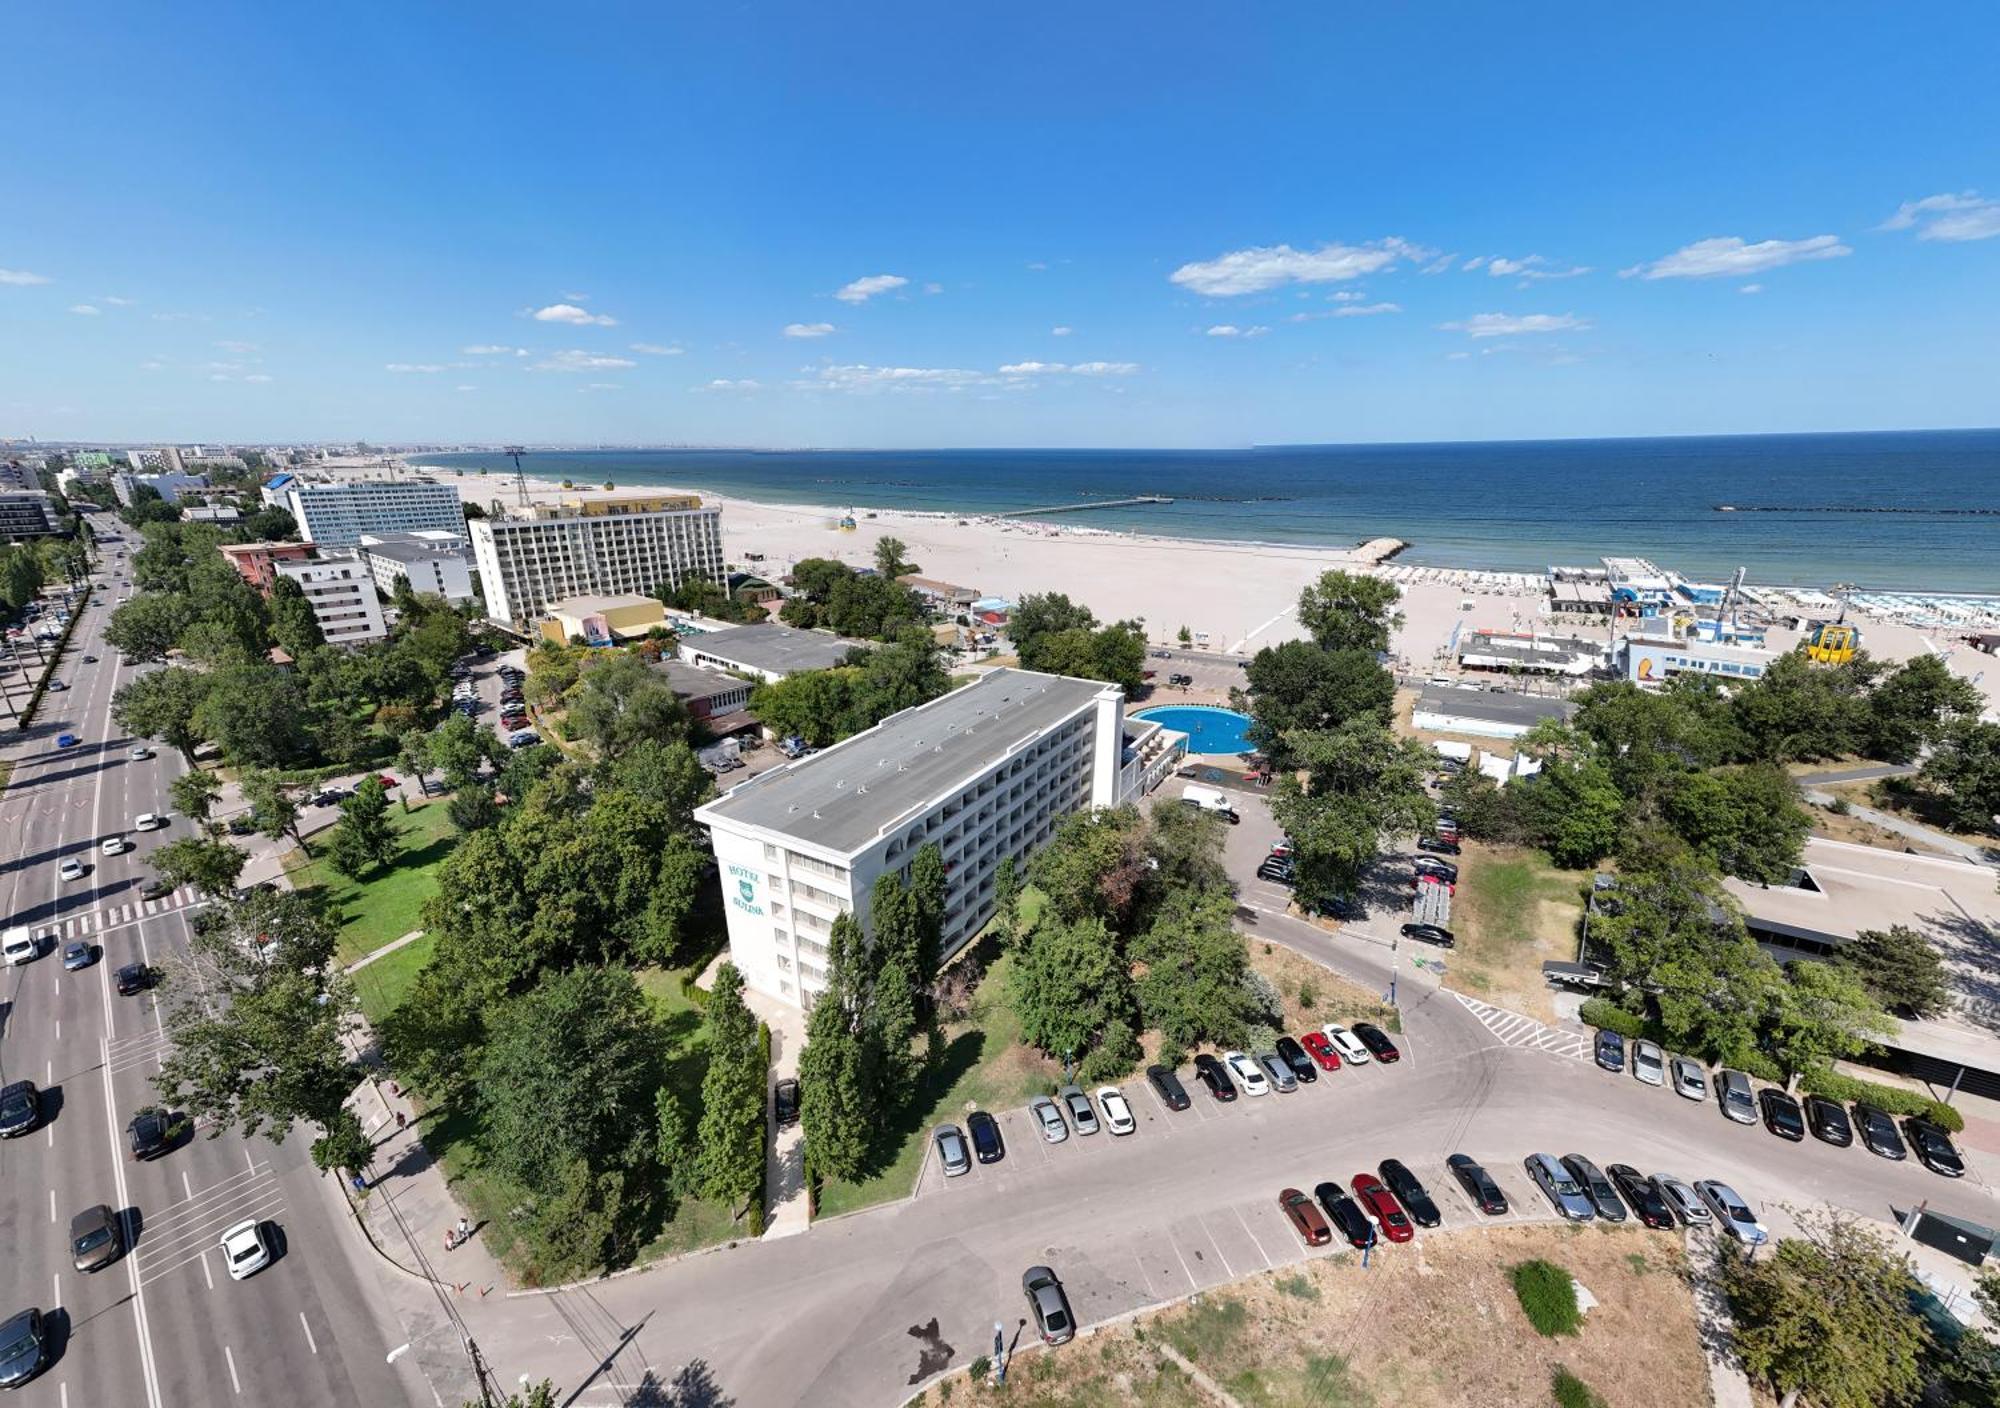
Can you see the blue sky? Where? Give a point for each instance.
(912, 225)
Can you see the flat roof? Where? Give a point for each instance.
(1853, 887)
(1526, 709)
(413, 552)
(845, 797)
(584, 605)
(1706, 649)
(693, 682)
(1545, 650)
(777, 648)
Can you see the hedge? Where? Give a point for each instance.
(1891, 1099)
(1548, 1297)
(1603, 1012)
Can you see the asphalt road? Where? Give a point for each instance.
(164, 1325)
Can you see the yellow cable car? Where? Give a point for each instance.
(1833, 643)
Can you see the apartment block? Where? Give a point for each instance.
(256, 563)
(433, 561)
(27, 513)
(619, 545)
(342, 593)
(340, 514)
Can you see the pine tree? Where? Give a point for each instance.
(837, 1105)
(363, 837)
(730, 1156)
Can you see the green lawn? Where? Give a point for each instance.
(383, 984)
(1513, 911)
(389, 903)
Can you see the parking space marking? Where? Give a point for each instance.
(1514, 1029)
(1229, 1270)
(1144, 1279)
(1245, 1222)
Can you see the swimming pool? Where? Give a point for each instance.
(1209, 729)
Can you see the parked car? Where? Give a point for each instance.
(1279, 1070)
(1827, 1120)
(1210, 1073)
(1647, 1063)
(95, 1239)
(1644, 1196)
(1279, 872)
(1781, 1114)
(953, 1156)
(1050, 1307)
(24, 1350)
(784, 1098)
(1610, 1051)
(134, 978)
(1246, 1073)
(1431, 865)
(1296, 1061)
(1411, 1193)
(1048, 1119)
(988, 1146)
(1935, 1150)
(1732, 1214)
(246, 1249)
(1430, 934)
(1117, 1112)
(1321, 1050)
(1690, 1080)
(1346, 1215)
(1478, 1184)
(1378, 1043)
(20, 1109)
(1685, 1202)
(1346, 1043)
(1379, 1203)
(1604, 1199)
(1077, 1106)
(1169, 1087)
(1564, 1193)
(1878, 1132)
(1304, 1217)
(1732, 1092)
(1441, 844)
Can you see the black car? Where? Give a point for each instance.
(1878, 1132)
(1828, 1121)
(1430, 934)
(152, 1130)
(1276, 869)
(1377, 1041)
(1610, 1050)
(133, 978)
(1603, 1197)
(1781, 1114)
(90, 659)
(1294, 1056)
(1346, 1215)
(1168, 1086)
(1934, 1147)
(1440, 844)
(987, 1145)
(1210, 1073)
(20, 1109)
(155, 889)
(1478, 1184)
(23, 1348)
(1416, 1199)
(785, 1103)
(1429, 865)
(1644, 1196)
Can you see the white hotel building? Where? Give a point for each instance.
(337, 515)
(620, 545)
(984, 773)
(341, 591)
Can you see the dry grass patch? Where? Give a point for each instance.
(1514, 911)
(1313, 994)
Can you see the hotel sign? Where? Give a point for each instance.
(742, 887)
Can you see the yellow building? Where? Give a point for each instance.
(605, 505)
(601, 620)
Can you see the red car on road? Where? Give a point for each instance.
(1381, 1205)
(386, 780)
(1321, 1050)
(1305, 1218)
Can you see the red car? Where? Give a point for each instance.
(1305, 1218)
(386, 780)
(1381, 1205)
(1450, 888)
(1321, 1050)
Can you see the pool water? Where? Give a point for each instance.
(1209, 729)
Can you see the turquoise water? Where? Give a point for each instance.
(1209, 729)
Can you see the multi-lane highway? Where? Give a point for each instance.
(163, 1326)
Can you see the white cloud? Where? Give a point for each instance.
(603, 386)
(1104, 369)
(220, 376)
(1033, 368)
(1532, 268)
(1346, 295)
(576, 298)
(1440, 265)
(861, 290)
(425, 368)
(1060, 331)
(725, 384)
(1751, 288)
(1347, 310)
(21, 278)
(1731, 257)
(1476, 262)
(570, 313)
(808, 329)
(861, 377)
(1965, 216)
(1456, 356)
(1267, 267)
(1508, 324)
(151, 364)
(83, 310)
(572, 360)
(239, 348)
(933, 288)
(465, 388)
(114, 302)
(1038, 266)
(257, 376)
(657, 349)
(493, 349)
(1231, 330)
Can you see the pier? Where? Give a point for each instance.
(1858, 508)
(1096, 503)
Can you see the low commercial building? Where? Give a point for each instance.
(169, 484)
(1650, 661)
(212, 513)
(941, 596)
(27, 513)
(256, 563)
(984, 773)
(432, 561)
(1482, 713)
(710, 695)
(604, 545)
(1535, 654)
(602, 620)
(767, 652)
(342, 595)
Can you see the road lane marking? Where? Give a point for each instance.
(52, 1205)
(235, 1382)
(310, 1342)
(206, 1275)
(187, 1186)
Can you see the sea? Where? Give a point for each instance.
(1899, 511)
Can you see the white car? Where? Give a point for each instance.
(1732, 1212)
(245, 1249)
(1647, 1063)
(140, 754)
(1685, 1203)
(146, 821)
(1117, 1113)
(1346, 1043)
(71, 869)
(115, 846)
(1247, 1073)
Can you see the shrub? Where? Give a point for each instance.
(1572, 1392)
(1892, 1099)
(980, 1368)
(1308, 995)
(1547, 1296)
(1171, 1056)
(1602, 1012)
(1298, 1287)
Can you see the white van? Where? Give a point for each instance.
(1210, 800)
(19, 946)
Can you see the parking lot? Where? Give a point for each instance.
(1213, 675)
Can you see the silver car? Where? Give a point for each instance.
(1732, 1092)
(1049, 1119)
(1564, 1193)
(1081, 1112)
(1732, 1212)
(1690, 1079)
(1647, 1063)
(1280, 1073)
(1687, 1206)
(952, 1156)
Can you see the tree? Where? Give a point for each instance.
(193, 794)
(294, 624)
(620, 702)
(1115, 654)
(21, 578)
(1828, 1316)
(928, 888)
(890, 559)
(1798, 710)
(1822, 1015)
(1901, 969)
(1067, 984)
(163, 705)
(900, 675)
(1299, 685)
(837, 1087)
(472, 808)
(1192, 988)
(145, 628)
(210, 866)
(1746, 820)
(1910, 707)
(1361, 781)
(1044, 614)
(274, 811)
(271, 525)
(730, 1164)
(363, 838)
(1963, 772)
(1349, 611)
(256, 1016)
(813, 705)
(1580, 811)
(459, 748)
(1094, 867)
(254, 713)
(541, 1395)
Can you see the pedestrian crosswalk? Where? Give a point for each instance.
(113, 916)
(1513, 1029)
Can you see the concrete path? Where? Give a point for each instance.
(1867, 774)
(1922, 835)
(1729, 1386)
(383, 952)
